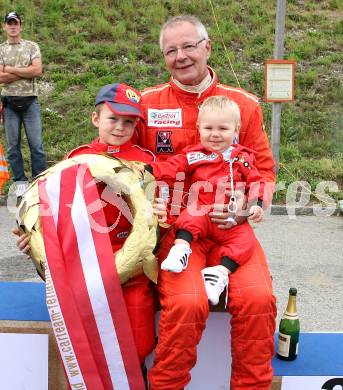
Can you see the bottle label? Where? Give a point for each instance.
(284, 344)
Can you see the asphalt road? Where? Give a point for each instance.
(303, 252)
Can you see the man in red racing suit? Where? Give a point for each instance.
(171, 112)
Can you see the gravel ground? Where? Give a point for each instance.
(303, 252)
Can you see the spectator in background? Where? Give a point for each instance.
(20, 64)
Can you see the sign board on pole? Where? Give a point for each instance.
(279, 80)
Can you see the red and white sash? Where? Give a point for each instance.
(83, 292)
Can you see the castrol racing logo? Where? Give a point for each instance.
(165, 118)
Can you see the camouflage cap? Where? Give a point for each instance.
(12, 15)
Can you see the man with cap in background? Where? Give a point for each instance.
(20, 64)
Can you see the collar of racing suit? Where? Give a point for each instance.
(109, 149)
(205, 83)
(179, 89)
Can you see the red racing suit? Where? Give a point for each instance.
(138, 293)
(170, 125)
(210, 180)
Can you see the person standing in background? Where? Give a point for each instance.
(20, 64)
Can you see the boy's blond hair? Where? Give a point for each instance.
(220, 102)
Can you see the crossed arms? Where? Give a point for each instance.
(9, 74)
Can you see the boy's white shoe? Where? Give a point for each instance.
(216, 280)
(177, 259)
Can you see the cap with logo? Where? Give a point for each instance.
(12, 16)
(121, 99)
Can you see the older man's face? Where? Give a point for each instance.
(189, 67)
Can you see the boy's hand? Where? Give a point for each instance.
(255, 213)
(160, 209)
(22, 241)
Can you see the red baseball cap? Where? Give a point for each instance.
(121, 99)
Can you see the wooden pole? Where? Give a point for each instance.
(278, 55)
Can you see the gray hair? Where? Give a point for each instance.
(181, 19)
(222, 103)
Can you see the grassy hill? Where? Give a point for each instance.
(87, 44)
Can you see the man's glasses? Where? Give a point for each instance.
(186, 48)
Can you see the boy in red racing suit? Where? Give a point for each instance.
(116, 115)
(216, 168)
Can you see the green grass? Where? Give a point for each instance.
(87, 44)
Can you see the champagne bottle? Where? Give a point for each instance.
(289, 329)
